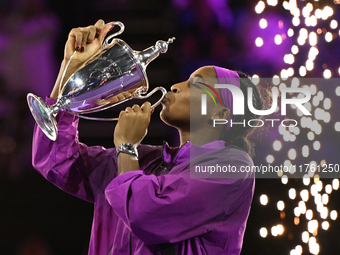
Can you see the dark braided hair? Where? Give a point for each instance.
(239, 135)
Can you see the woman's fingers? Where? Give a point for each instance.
(146, 107)
(114, 99)
(100, 24)
(104, 32)
(128, 109)
(85, 35)
(92, 34)
(76, 36)
(136, 108)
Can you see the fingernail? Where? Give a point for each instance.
(82, 48)
(112, 26)
(77, 48)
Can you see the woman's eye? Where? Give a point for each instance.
(194, 82)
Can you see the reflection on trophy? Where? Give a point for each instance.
(114, 75)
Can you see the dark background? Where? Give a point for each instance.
(38, 218)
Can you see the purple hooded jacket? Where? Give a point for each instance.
(140, 211)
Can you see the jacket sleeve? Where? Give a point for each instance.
(175, 207)
(70, 165)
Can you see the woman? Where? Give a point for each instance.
(145, 201)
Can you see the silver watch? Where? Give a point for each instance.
(127, 148)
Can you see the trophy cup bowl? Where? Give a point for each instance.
(115, 74)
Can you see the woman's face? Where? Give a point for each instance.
(176, 106)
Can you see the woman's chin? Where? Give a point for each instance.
(165, 116)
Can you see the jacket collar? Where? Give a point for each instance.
(177, 155)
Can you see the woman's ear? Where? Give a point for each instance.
(225, 113)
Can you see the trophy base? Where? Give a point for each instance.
(43, 116)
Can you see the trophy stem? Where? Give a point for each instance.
(44, 115)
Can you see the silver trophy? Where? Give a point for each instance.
(114, 75)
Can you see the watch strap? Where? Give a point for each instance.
(127, 148)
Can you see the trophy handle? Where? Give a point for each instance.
(122, 28)
(139, 96)
(134, 96)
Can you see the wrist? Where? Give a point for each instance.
(125, 156)
(127, 163)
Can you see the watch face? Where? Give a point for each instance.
(129, 146)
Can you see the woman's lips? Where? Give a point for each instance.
(166, 98)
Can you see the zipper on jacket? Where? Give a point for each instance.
(130, 243)
(110, 249)
(167, 166)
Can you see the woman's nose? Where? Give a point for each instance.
(175, 88)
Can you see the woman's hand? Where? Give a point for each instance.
(87, 41)
(115, 99)
(132, 125)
